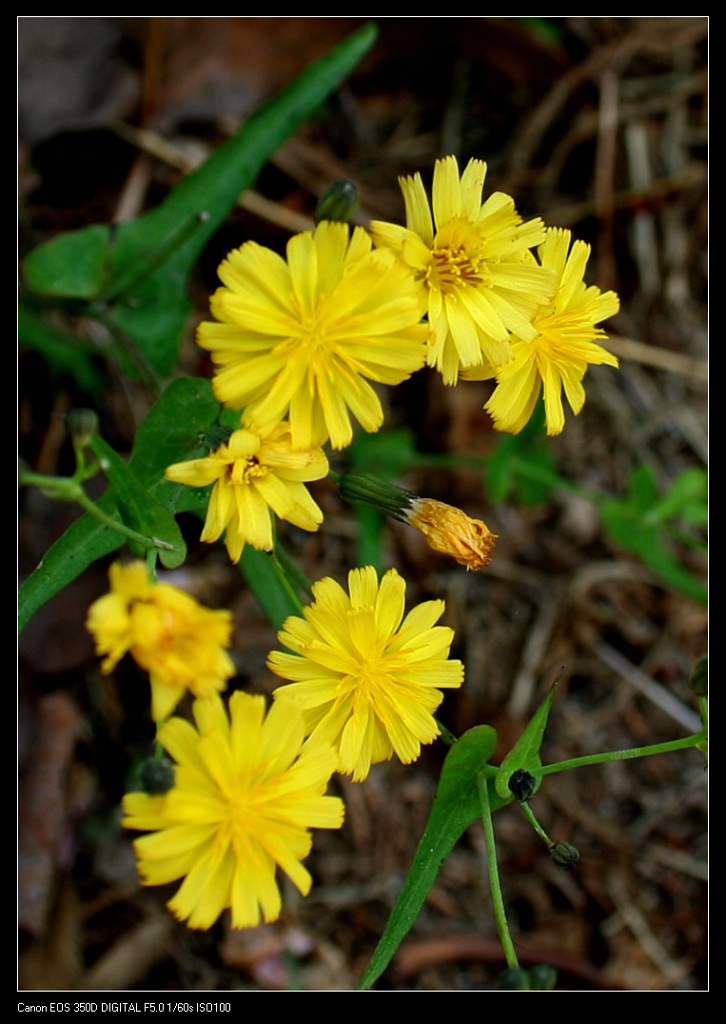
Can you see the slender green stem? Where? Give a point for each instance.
(530, 815)
(148, 543)
(500, 914)
(69, 489)
(623, 755)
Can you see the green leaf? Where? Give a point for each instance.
(687, 499)
(140, 270)
(522, 465)
(83, 543)
(73, 265)
(524, 755)
(63, 352)
(641, 523)
(456, 805)
(273, 590)
(169, 433)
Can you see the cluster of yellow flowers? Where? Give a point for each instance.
(248, 789)
(298, 345)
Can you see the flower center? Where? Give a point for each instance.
(313, 335)
(457, 258)
(244, 471)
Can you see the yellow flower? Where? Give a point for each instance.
(469, 262)
(247, 791)
(254, 473)
(558, 356)
(366, 677)
(302, 338)
(450, 531)
(177, 641)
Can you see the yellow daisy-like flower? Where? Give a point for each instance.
(468, 260)
(169, 634)
(254, 474)
(564, 345)
(302, 338)
(247, 791)
(367, 677)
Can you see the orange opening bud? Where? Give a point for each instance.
(452, 532)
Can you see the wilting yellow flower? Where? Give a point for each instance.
(564, 344)
(254, 474)
(247, 791)
(302, 338)
(366, 676)
(469, 263)
(450, 531)
(447, 529)
(177, 641)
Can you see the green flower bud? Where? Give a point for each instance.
(564, 855)
(82, 426)
(514, 979)
(542, 977)
(340, 202)
(522, 785)
(156, 775)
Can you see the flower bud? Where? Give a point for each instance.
(542, 977)
(564, 855)
(340, 202)
(522, 785)
(514, 979)
(82, 426)
(156, 775)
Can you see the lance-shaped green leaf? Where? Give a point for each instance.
(169, 433)
(456, 805)
(140, 269)
(524, 755)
